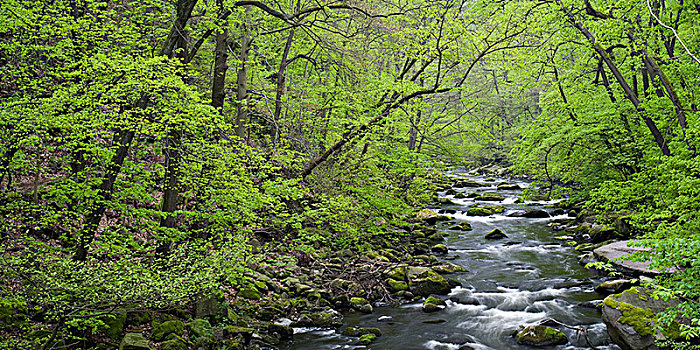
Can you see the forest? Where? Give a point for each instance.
(161, 158)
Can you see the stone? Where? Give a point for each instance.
(529, 213)
(490, 197)
(439, 249)
(496, 208)
(631, 317)
(395, 285)
(463, 226)
(176, 343)
(366, 339)
(611, 252)
(162, 330)
(360, 331)
(423, 281)
(206, 306)
(397, 273)
(461, 183)
(433, 304)
(613, 287)
(134, 341)
(327, 318)
(602, 233)
(435, 321)
(200, 329)
(448, 267)
(495, 234)
(540, 335)
(478, 212)
(115, 324)
(249, 293)
(384, 318)
(505, 186)
(13, 314)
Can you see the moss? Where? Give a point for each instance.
(642, 320)
(610, 302)
(366, 339)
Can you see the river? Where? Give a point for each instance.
(523, 279)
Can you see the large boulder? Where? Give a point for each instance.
(423, 281)
(611, 252)
(630, 318)
(540, 335)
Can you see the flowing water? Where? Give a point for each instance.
(523, 279)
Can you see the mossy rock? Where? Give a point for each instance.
(174, 343)
(134, 341)
(460, 195)
(366, 339)
(433, 304)
(540, 335)
(495, 234)
(114, 324)
(162, 330)
(630, 317)
(249, 293)
(490, 197)
(13, 314)
(360, 331)
(395, 285)
(496, 208)
(448, 267)
(478, 212)
(463, 226)
(423, 281)
(439, 249)
(200, 329)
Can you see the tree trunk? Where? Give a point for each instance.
(218, 92)
(242, 79)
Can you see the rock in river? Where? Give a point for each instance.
(529, 213)
(495, 234)
(540, 335)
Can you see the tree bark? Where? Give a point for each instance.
(218, 92)
(242, 79)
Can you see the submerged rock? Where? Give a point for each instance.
(540, 335)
